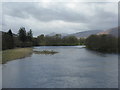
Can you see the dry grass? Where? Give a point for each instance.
(12, 54)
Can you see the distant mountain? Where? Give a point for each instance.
(51, 34)
(62, 34)
(113, 31)
(85, 33)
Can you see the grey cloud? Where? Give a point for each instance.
(101, 19)
(24, 10)
(104, 20)
(17, 9)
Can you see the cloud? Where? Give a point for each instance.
(60, 17)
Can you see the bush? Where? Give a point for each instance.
(103, 43)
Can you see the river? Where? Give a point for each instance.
(72, 67)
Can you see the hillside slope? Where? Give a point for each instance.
(85, 33)
(113, 31)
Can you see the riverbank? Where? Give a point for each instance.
(12, 54)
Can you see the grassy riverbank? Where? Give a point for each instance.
(12, 54)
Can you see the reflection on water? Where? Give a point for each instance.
(97, 53)
(72, 67)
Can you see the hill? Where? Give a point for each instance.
(113, 31)
(85, 33)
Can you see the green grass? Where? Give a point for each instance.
(45, 52)
(12, 54)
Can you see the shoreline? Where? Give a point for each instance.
(17, 53)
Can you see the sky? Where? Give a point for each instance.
(46, 17)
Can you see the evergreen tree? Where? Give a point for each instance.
(10, 32)
(29, 35)
(7, 40)
(10, 39)
(22, 34)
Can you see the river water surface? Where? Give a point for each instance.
(72, 67)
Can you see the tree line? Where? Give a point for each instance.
(22, 39)
(26, 39)
(58, 40)
(103, 43)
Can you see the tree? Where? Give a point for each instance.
(22, 34)
(56, 39)
(35, 42)
(7, 40)
(11, 39)
(82, 41)
(118, 44)
(29, 35)
(10, 32)
(70, 40)
(103, 43)
(41, 39)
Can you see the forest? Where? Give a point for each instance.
(102, 43)
(26, 39)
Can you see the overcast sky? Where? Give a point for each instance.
(59, 17)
